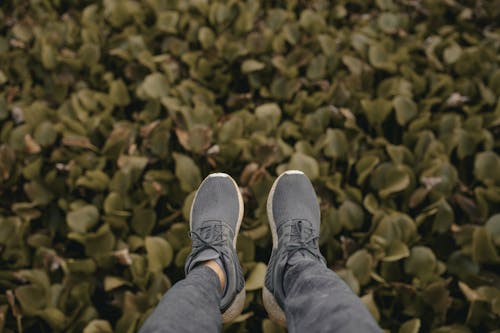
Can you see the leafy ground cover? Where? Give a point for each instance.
(111, 113)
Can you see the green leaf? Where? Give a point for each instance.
(269, 114)
(31, 298)
(45, 134)
(377, 110)
(365, 166)
(154, 86)
(98, 326)
(462, 265)
(371, 305)
(206, 37)
(143, 221)
(167, 21)
(397, 250)
(380, 59)
(484, 163)
(455, 328)
(255, 280)
(3, 77)
(38, 193)
(327, 44)
(251, 65)
(118, 93)
(444, 217)
(494, 82)
(421, 261)
(493, 227)
(351, 215)
(388, 23)
(312, 21)
(336, 145)
(95, 180)
(187, 172)
(452, 53)
(89, 54)
(54, 317)
(389, 179)
(304, 163)
(268, 326)
(160, 253)
(317, 67)
(360, 263)
(406, 109)
(199, 138)
(348, 276)
(100, 243)
(83, 219)
(385, 4)
(483, 248)
(49, 56)
(85, 266)
(410, 326)
(113, 282)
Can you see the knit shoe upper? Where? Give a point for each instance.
(294, 216)
(216, 215)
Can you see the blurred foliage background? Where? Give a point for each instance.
(111, 113)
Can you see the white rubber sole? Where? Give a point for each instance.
(236, 307)
(273, 309)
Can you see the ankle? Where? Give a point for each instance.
(213, 265)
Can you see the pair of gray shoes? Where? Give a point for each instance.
(216, 215)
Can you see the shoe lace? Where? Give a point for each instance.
(302, 237)
(212, 235)
(215, 236)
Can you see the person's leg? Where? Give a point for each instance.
(191, 305)
(214, 289)
(300, 291)
(317, 300)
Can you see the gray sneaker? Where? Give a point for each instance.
(294, 216)
(216, 215)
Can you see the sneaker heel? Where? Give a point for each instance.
(273, 309)
(236, 307)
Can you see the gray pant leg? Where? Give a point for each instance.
(317, 300)
(191, 305)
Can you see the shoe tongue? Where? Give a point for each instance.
(301, 230)
(299, 256)
(205, 255)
